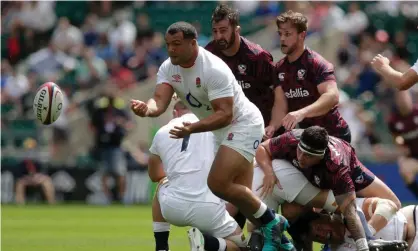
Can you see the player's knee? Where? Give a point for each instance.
(386, 208)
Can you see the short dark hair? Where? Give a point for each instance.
(295, 18)
(301, 227)
(188, 30)
(222, 12)
(315, 137)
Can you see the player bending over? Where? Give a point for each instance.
(328, 163)
(398, 233)
(208, 87)
(183, 197)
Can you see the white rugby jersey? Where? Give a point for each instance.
(186, 162)
(208, 79)
(415, 67)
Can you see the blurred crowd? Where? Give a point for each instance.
(89, 48)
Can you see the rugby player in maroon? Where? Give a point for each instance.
(328, 163)
(403, 125)
(307, 80)
(252, 66)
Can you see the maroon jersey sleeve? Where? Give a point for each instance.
(341, 181)
(279, 73)
(267, 67)
(282, 145)
(324, 70)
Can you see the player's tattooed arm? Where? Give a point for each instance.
(348, 207)
(161, 100)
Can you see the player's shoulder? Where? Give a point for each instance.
(281, 62)
(315, 58)
(211, 47)
(167, 66)
(213, 65)
(255, 50)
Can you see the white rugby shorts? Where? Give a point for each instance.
(209, 218)
(293, 183)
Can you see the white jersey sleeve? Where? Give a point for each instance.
(415, 67)
(154, 146)
(220, 84)
(162, 74)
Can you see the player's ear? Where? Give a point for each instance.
(238, 29)
(194, 41)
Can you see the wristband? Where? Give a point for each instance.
(362, 245)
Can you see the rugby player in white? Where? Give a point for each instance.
(183, 197)
(208, 87)
(397, 233)
(402, 81)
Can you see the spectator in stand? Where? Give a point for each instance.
(91, 69)
(33, 177)
(111, 123)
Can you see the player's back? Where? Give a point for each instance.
(186, 162)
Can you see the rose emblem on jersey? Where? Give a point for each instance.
(301, 74)
(242, 68)
(198, 82)
(230, 136)
(359, 179)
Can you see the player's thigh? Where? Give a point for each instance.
(234, 159)
(270, 200)
(380, 190)
(213, 219)
(175, 211)
(294, 184)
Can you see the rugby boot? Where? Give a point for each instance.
(273, 232)
(196, 240)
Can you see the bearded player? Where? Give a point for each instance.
(252, 66)
(403, 124)
(209, 89)
(328, 163)
(307, 80)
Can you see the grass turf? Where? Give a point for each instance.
(83, 228)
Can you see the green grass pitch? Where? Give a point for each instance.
(82, 228)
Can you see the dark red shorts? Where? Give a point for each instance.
(362, 177)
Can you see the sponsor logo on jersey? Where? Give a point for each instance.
(244, 85)
(176, 78)
(298, 93)
(301, 74)
(242, 68)
(410, 135)
(198, 82)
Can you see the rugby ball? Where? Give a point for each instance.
(48, 103)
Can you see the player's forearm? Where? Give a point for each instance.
(277, 115)
(264, 160)
(155, 107)
(215, 121)
(355, 227)
(393, 77)
(322, 106)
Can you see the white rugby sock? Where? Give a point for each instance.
(260, 211)
(222, 244)
(161, 227)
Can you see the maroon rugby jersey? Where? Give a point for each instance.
(407, 128)
(299, 81)
(339, 170)
(253, 67)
